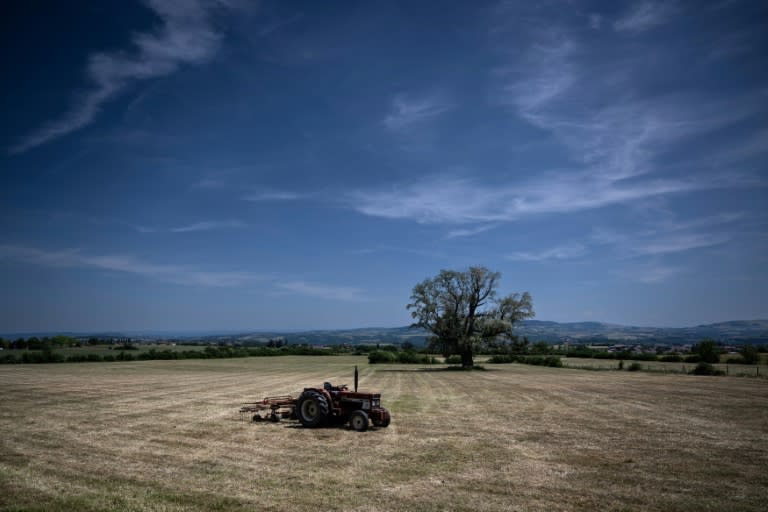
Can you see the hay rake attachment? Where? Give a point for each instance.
(271, 408)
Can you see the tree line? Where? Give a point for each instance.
(707, 351)
(209, 352)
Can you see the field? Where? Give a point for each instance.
(166, 435)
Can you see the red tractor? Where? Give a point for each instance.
(330, 404)
(337, 404)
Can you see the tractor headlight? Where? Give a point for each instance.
(375, 403)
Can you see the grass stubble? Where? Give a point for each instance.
(166, 436)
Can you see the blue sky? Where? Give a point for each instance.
(235, 165)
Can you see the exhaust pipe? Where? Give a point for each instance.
(355, 378)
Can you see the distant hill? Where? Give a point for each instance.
(738, 331)
(385, 335)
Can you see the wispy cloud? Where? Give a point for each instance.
(679, 243)
(650, 273)
(740, 150)
(616, 137)
(274, 195)
(179, 274)
(277, 25)
(620, 138)
(540, 76)
(669, 236)
(611, 130)
(322, 291)
(228, 177)
(186, 36)
(398, 250)
(734, 43)
(564, 252)
(708, 221)
(208, 226)
(644, 16)
(462, 201)
(209, 183)
(407, 110)
(459, 233)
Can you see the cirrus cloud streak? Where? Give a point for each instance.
(186, 36)
(179, 274)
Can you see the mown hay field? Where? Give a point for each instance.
(166, 435)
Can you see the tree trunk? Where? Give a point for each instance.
(466, 358)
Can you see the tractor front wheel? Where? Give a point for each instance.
(358, 420)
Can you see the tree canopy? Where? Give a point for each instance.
(462, 311)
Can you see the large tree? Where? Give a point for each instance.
(463, 313)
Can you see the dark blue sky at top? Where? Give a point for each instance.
(258, 165)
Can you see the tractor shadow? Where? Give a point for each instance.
(288, 423)
(298, 426)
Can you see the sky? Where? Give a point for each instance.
(235, 165)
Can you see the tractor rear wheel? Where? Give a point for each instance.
(358, 420)
(312, 409)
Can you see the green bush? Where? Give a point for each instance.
(634, 367)
(503, 359)
(407, 357)
(44, 356)
(671, 358)
(704, 368)
(122, 356)
(411, 357)
(580, 351)
(749, 354)
(381, 357)
(8, 359)
(454, 359)
(552, 361)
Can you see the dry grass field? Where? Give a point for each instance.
(166, 435)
